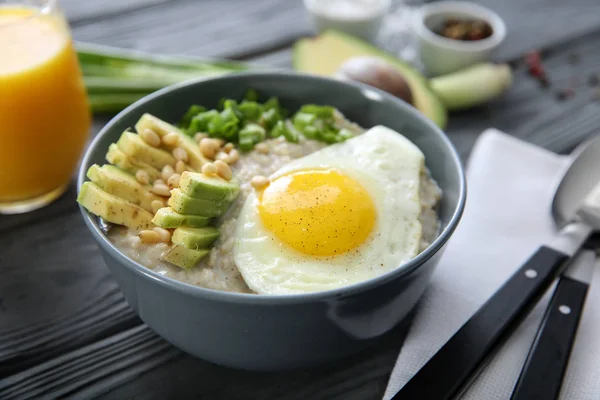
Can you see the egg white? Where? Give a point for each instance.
(389, 167)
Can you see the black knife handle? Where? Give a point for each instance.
(544, 369)
(442, 377)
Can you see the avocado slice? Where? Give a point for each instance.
(122, 184)
(112, 208)
(166, 217)
(324, 54)
(200, 186)
(136, 149)
(183, 257)
(117, 157)
(195, 238)
(184, 204)
(195, 158)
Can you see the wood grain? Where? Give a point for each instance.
(223, 28)
(65, 330)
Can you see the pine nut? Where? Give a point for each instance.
(165, 235)
(262, 148)
(142, 177)
(259, 182)
(209, 148)
(159, 182)
(166, 172)
(149, 237)
(161, 189)
(222, 156)
(174, 180)
(150, 137)
(234, 156)
(199, 136)
(228, 147)
(171, 139)
(209, 169)
(223, 170)
(180, 167)
(156, 205)
(180, 154)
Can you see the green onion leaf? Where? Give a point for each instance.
(250, 110)
(250, 135)
(191, 113)
(200, 122)
(325, 112)
(302, 120)
(251, 95)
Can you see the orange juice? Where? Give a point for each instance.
(44, 116)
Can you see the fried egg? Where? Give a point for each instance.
(342, 215)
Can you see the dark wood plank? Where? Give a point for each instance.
(78, 11)
(59, 306)
(209, 28)
(55, 292)
(107, 369)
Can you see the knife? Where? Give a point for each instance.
(543, 371)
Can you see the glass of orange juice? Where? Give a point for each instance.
(44, 114)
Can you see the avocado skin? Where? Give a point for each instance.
(112, 208)
(201, 186)
(195, 238)
(167, 218)
(184, 204)
(183, 257)
(324, 54)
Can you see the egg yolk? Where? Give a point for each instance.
(318, 212)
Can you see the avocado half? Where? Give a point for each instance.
(324, 54)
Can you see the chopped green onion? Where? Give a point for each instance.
(325, 112)
(250, 110)
(191, 113)
(269, 118)
(345, 134)
(310, 132)
(302, 120)
(200, 122)
(251, 95)
(250, 135)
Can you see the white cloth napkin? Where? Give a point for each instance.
(510, 189)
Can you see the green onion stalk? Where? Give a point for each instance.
(115, 78)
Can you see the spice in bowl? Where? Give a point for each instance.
(465, 29)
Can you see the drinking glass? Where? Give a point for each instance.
(44, 113)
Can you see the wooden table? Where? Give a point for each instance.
(65, 330)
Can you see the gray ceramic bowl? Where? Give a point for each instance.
(258, 332)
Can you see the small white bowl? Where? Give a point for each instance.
(341, 16)
(441, 55)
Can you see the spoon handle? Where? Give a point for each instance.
(452, 366)
(543, 371)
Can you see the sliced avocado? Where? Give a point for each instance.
(166, 217)
(183, 204)
(112, 208)
(136, 149)
(122, 184)
(183, 257)
(200, 186)
(116, 157)
(195, 238)
(195, 158)
(324, 54)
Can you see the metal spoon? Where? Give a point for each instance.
(445, 374)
